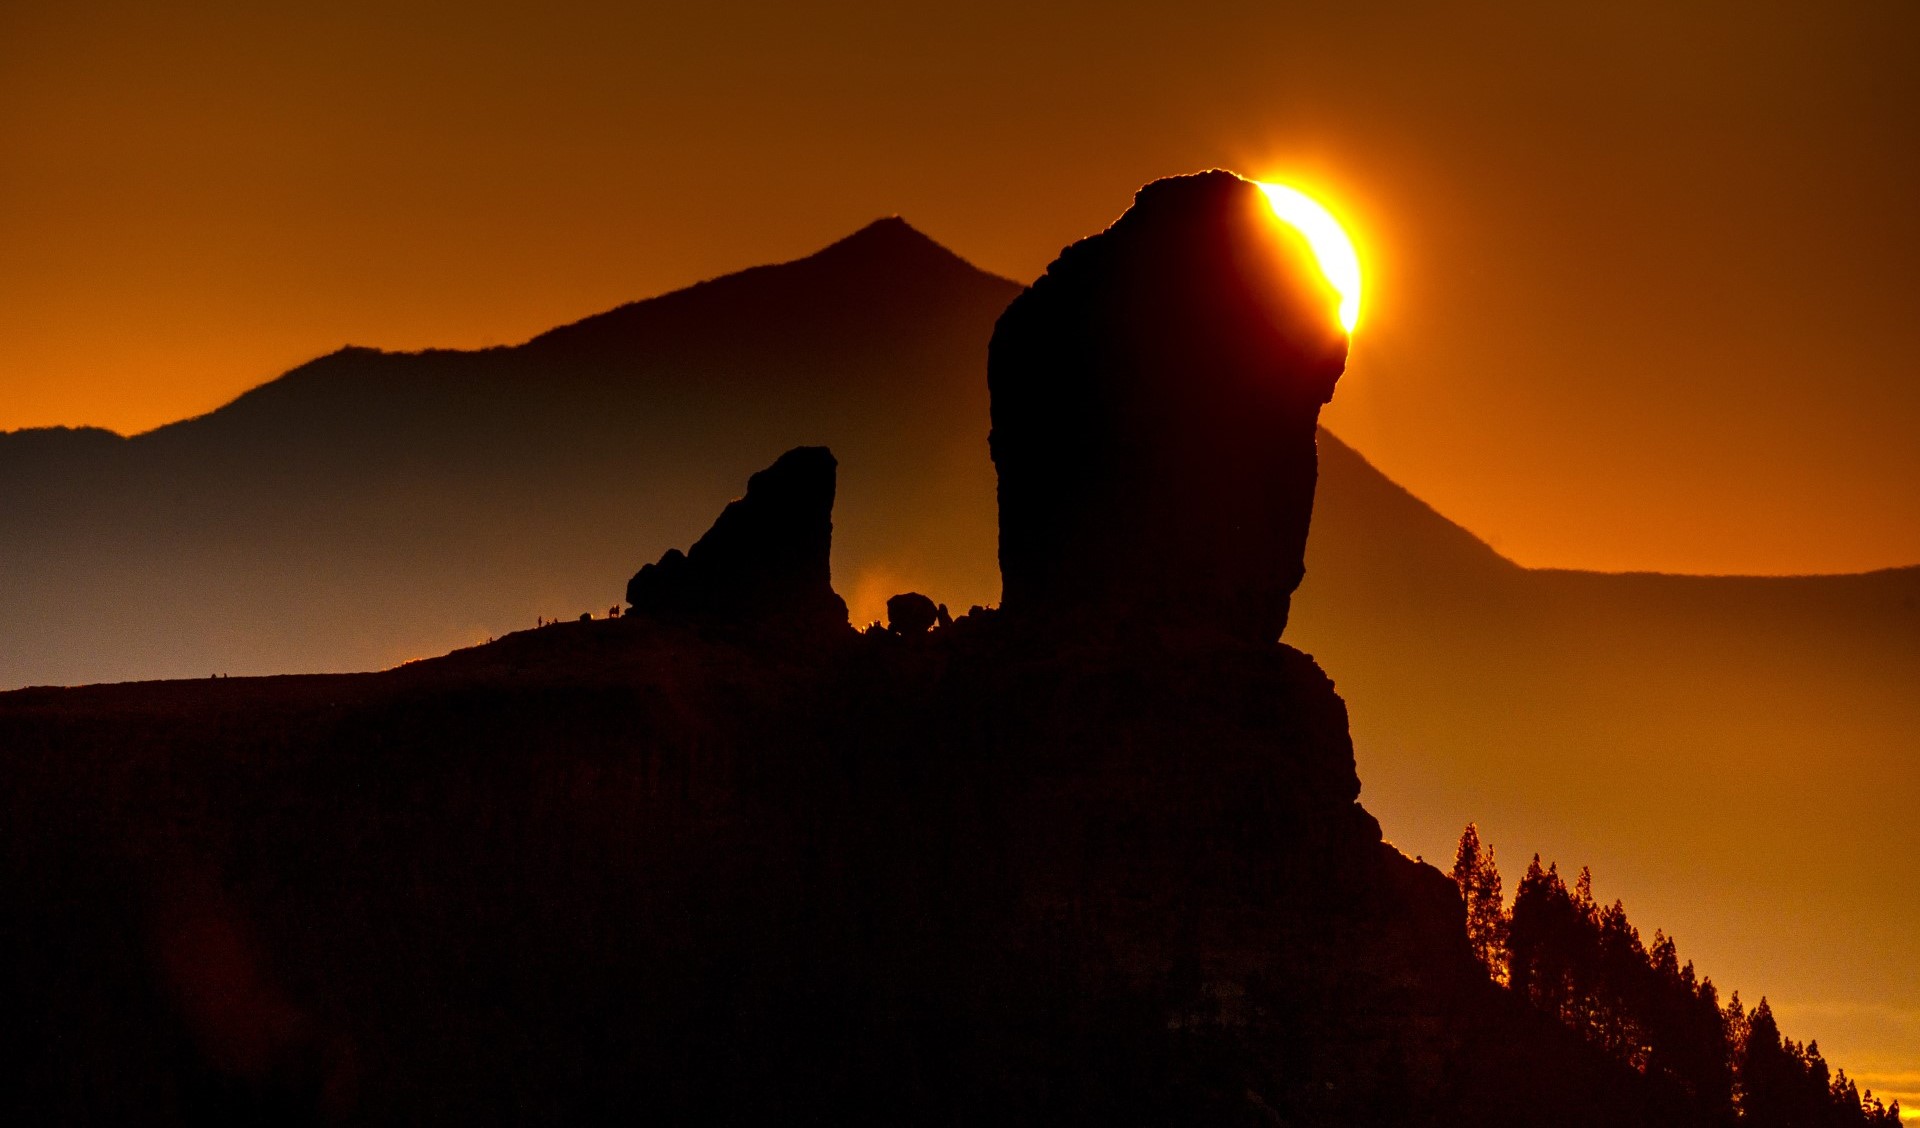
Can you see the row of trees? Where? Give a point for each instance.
(1586, 965)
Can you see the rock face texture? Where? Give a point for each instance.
(1154, 401)
(766, 558)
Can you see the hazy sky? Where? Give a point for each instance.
(1642, 281)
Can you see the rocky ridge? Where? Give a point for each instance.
(1096, 857)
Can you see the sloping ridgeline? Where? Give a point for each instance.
(370, 507)
(1093, 859)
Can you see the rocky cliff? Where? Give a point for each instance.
(1019, 869)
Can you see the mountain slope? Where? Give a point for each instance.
(1734, 755)
(1680, 734)
(370, 507)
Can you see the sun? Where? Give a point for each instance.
(1328, 241)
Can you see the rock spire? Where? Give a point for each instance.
(1155, 395)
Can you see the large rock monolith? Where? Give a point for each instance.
(1155, 395)
(766, 559)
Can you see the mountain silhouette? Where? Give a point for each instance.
(1733, 751)
(369, 507)
(726, 860)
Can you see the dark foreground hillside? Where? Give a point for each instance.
(370, 508)
(612, 869)
(1095, 857)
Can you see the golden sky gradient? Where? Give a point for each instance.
(1641, 283)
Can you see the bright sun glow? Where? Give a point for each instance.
(1329, 242)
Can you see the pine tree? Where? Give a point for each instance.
(1534, 966)
(1478, 877)
(1636, 1002)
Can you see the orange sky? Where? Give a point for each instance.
(1642, 284)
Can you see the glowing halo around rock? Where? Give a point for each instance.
(1328, 241)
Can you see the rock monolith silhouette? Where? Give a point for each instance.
(766, 558)
(1155, 395)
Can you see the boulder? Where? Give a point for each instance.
(1155, 395)
(911, 614)
(767, 557)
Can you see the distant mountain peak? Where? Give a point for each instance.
(889, 239)
(888, 260)
(888, 230)
(889, 226)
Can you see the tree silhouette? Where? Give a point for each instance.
(1478, 877)
(1784, 1084)
(1588, 967)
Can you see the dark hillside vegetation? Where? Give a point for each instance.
(1586, 965)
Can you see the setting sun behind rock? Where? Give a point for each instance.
(1339, 262)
